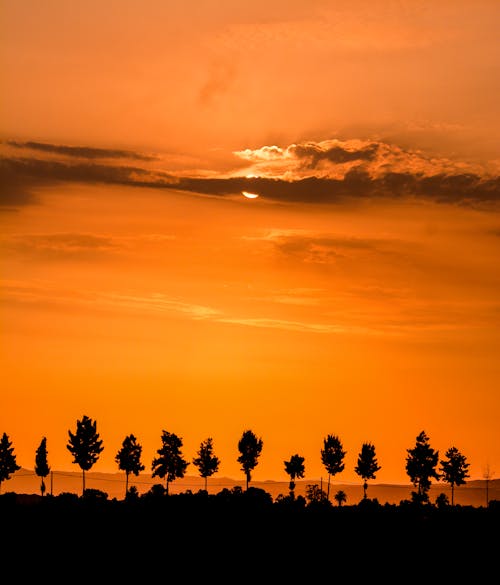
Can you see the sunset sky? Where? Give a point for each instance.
(357, 295)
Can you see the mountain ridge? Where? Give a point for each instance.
(25, 481)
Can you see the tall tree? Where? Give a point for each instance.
(42, 468)
(170, 463)
(454, 470)
(367, 466)
(8, 464)
(250, 448)
(85, 445)
(332, 457)
(421, 465)
(206, 462)
(129, 458)
(294, 468)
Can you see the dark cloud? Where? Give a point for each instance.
(336, 154)
(466, 188)
(20, 176)
(81, 151)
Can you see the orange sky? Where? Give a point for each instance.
(357, 295)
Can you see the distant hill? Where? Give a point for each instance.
(25, 481)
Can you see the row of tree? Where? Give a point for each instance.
(85, 445)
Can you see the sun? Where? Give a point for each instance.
(249, 195)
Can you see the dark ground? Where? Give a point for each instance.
(186, 538)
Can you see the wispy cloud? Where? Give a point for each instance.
(88, 152)
(320, 248)
(57, 245)
(399, 314)
(74, 246)
(45, 294)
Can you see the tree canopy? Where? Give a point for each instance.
(250, 448)
(332, 457)
(170, 463)
(367, 465)
(454, 470)
(42, 468)
(85, 445)
(128, 458)
(8, 464)
(206, 462)
(421, 464)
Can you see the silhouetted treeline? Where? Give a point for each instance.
(423, 464)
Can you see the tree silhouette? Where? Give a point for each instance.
(206, 462)
(169, 464)
(294, 468)
(421, 465)
(340, 497)
(250, 448)
(315, 495)
(42, 468)
(332, 457)
(8, 464)
(85, 445)
(367, 466)
(129, 458)
(454, 470)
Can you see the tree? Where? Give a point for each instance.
(129, 458)
(170, 463)
(42, 468)
(206, 462)
(367, 466)
(315, 495)
(421, 465)
(8, 464)
(294, 468)
(85, 445)
(340, 497)
(250, 448)
(454, 470)
(332, 457)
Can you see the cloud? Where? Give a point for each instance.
(58, 246)
(20, 177)
(327, 249)
(328, 172)
(44, 294)
(333, 159)
(81, 151)
(62, 246)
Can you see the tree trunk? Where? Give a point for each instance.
(126, 483)
(328, 489)
(166, 486)
(452, 494)
(205, 484)
(83, 476)
(365, 486)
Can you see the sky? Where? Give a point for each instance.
(357, 295)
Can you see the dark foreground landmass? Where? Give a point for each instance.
(246, 537)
